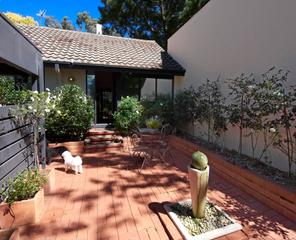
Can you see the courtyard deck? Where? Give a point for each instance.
(111, 200)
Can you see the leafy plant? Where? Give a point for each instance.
(128, 115)
(153, 123)
(23, 187)
(9, 95)
(186, 106)
(72, 116)
(241, 93)
(211, 108)
(162, 107)
(279, 98)
(34, 111)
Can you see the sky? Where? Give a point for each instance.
(56, 8)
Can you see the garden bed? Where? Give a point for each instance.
(272, 193)
(215, 224)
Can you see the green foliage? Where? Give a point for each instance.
(51, 22)
(156, 20)
(211, 108)
(186, 106)
(128, 115)
(190, 8)
(153, 123)
(86, 22)
(9, 95)
(162, 108)
(72, 116)
(241, 93)
(23, 187)
(278, 98)
(67, 24)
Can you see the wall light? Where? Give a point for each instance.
(71, 79)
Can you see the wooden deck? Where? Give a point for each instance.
(111, 200)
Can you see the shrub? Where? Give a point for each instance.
(72, 116)
(23, 187)
(128, 115)
(186, 106)
(153, 123)
(9, 95)
(162, 107)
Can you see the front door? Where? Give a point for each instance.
(104, 99)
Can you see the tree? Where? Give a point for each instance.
(19, 19)
(241, 92)
(190, 8)
(51, 22)
(280, 98)
(155, 19)
(211, 108)
(67, 24)
(86, 22)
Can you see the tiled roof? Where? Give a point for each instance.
(64, 46)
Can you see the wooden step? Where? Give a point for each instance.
(101, 138)
(102, 146)
(100, 132)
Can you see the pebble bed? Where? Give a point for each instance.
(213, 219)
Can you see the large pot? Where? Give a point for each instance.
(22, 212)
(198, 188)
(49, 187)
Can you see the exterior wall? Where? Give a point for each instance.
(17, 50)
(230, 37)
(54, 79)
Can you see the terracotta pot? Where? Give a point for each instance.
(22, 212)
(9, 234)
(198, 188)
(50, 176)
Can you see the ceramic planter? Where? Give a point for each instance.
(50, 176)
(9, 234)
(22, 212)
(198, 188)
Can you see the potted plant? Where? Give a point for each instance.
(198, 173)
(9, 234)
(23, 200)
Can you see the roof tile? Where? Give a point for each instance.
(80, 48)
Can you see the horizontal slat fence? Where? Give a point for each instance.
(16, 145)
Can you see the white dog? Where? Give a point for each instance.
(74, 163)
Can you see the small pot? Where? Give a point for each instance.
(199, 180)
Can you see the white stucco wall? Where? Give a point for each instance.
(229, 37)
(54, 79)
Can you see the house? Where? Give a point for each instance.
(20, 60)
(19, 56)
(230, 37)
(106, 67)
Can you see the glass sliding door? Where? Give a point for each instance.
(91, 91)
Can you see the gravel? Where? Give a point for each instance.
(213, 219)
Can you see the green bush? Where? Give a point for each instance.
(72, 115)
(162, 107)
(153, 123)
(23, 187)
(186, 106)
(128, 115)
(9, 95)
